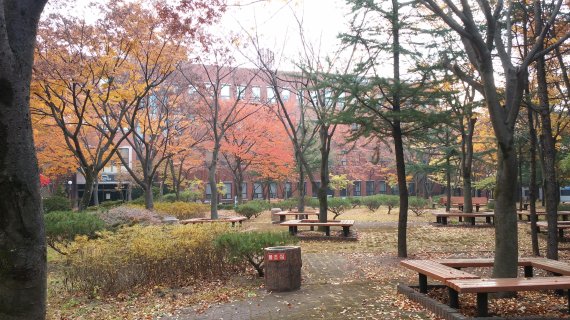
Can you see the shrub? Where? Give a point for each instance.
(169, 197)
(56, 203)
(181, 210)
(248, 246)
(355, 201)
(226, 206)
(144, 257)
(491, 205)
(390, 201)
(338, 206)
(138, 201)
(63, 226)
(418, 205)
(251, 209)
(372, 202)
(563, 207)
(288, 204)
(312, 202)
(110, 204)
(128, 215)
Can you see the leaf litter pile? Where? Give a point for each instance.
(375, 256)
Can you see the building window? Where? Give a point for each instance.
(357, 189)
(369, 188)
(270, 95)
(208, 192)
(273, 190)
(382, 187)
(285, 95)
(343, 192)
(257, 191)
(225, 92)
(240, 92)
(256, 93)
(244, 190)
(227, 194)
(316, 190)
(288, 190)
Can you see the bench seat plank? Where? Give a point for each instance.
(508, 284)
(437, 271)
(345, 224)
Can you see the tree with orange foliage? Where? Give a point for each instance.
(257, 144)
(92, 79)
(217, 106)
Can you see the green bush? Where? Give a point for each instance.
(338, 206)
(251, 209)
(288, 204)
(226, 206)
(63, 226)
(418, 205)
(56, 203)
(389, 201)
(138, 201)
(312, 202)
(181, 210)
(110, 204)
(248, 246)
(371, 202)
(355, 201)
(563, 207)
(491, 205)
(138, 258)
(169, 197)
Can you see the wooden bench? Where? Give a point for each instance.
(561, 226)
(458, 201)
(436, 271)
(441, 217)
(561, 214)
(298, 215)
(232, 220)
(482, 287)
(294, 224)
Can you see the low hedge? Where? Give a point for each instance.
(56, 203)
(181, 210)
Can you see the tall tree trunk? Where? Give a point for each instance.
(96, 191)
(88, 190)
(323, 189)
(175, 182)
(548, 156)
(467, 164)
(23, 262)
(532, 190)
(148, 197)
(403, 188)
(520, 186)
(302, 191)
(129, 192)
(448, 184)
(213, 187)
(506, 232)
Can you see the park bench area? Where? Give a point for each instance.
(561, 226)
(442, 217)
(297, 215)
(232, 220)
(525, 215)
(295, 224)
(447, 271)
(458, 202)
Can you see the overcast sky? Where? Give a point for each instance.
(278, 29)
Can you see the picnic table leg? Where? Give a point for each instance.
(437, 219)
(453, 298)
(281, 218)
(564, 217)
(345, 230)
(423, 283)
(520, 216)
(444, 220)
(233, 224)
(528, 273)
(488, 220)
(477, 208)
(482, 304)
(328, 230)
(292, 230)
(472, 221)
(561, 234)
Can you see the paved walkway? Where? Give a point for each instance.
(333, 288)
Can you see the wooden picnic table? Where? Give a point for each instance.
(561, 226)
(298, 215)
(442, 217)
(232, 220)
(294, 224)
(457, 281)
(563, 214)
(477, 202)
